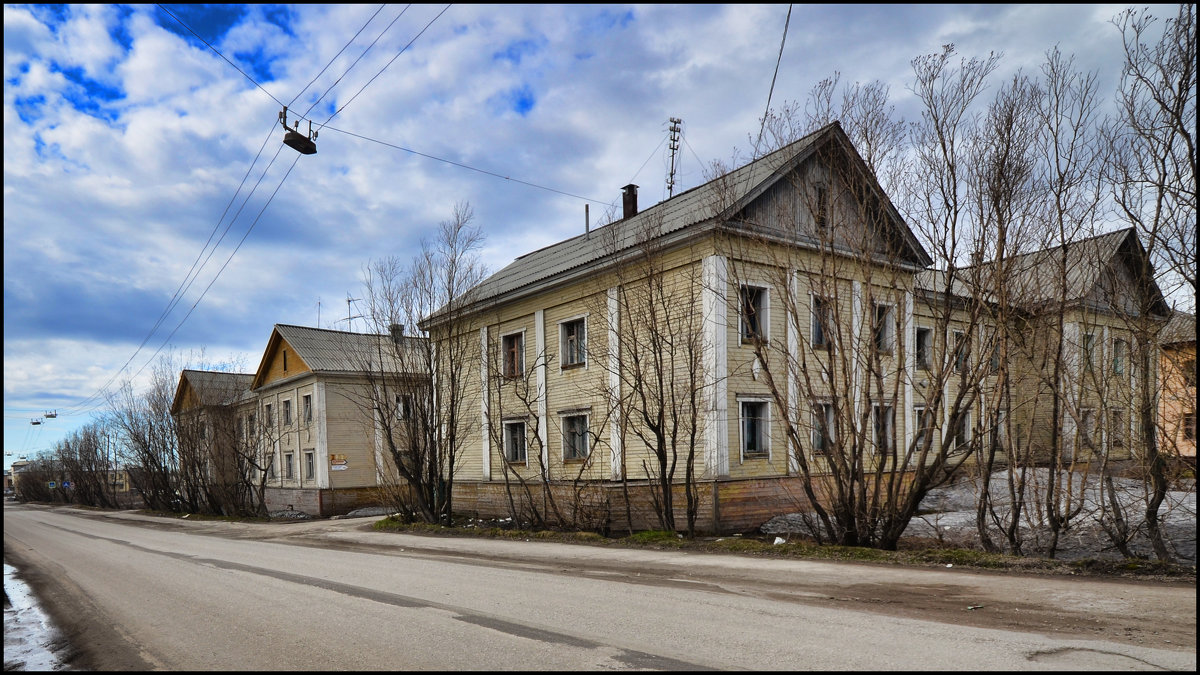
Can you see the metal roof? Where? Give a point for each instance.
(703, 206)
(324, 350)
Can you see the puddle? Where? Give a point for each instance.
(31, 641)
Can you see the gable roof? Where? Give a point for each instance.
(1180, 329)
(332, 351)
(211, 387)
(1063, 274)
(695, 210)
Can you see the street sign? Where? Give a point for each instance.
(66, 483)
(51, 483)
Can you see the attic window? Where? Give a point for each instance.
(821, 206)
(285, 360)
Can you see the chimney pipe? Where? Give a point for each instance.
(587, 221)
(397, 331)
(629, 200)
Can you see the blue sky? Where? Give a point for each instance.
(126, 138)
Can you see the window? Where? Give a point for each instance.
(961, 351)
(515, 445)
(884, 428)
(823, 428)
(203, 431)
(752, 313)
(962, 432)
(924, 348)
(821, 206)
(288, 472)
(514, 354)
(575, 437)
(754, 428)
(1117, 428)
(883, 323)
(573, 343)
(310, 465)
(994, 361)
(308, 408)
(240, 429)
(924, 426)
(287, 413)
(271, 466)
(251, 425)
(285, 360)
(1087, 428)
(822, 326)
(267, 414)
(1189, 373)
(1189, 426)
(1120, 349)
(1089, 348)
(404, 405)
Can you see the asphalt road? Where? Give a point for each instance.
(136, 592)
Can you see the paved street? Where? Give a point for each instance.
(142, 592)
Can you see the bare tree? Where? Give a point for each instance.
(1151, 166)
(417, 391)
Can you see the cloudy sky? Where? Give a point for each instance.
(150, 206)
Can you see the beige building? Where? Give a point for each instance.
(780, 321)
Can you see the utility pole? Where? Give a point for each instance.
(674, 145)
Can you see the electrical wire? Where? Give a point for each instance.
(181, 23)
(355, 63)
(772, 91)
(463, 166)
(348, 43)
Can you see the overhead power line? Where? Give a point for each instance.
(772, 91)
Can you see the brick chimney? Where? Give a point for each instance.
(629, 200)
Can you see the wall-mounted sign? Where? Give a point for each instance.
(339, 467)
(51, 483)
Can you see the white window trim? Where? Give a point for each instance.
(742, 426)
(764, 321)
(504, 353)
(505, 424)
(876, 407)
(828, 344)
(893, 325)
(587, 429)
(916, 351)
(562, 341)
(821, 403)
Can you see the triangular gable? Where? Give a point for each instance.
(185, 395)
(272, 367)
(832, 136)
(1121, 284)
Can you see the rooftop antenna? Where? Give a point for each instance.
(674, 145)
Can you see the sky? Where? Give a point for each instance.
(151, 208)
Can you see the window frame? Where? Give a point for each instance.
(922, 416)
(762, 427)
(820, 207)
(306, 408)
(821, 320)
(925, 363)
(962, 350)
(287, 412)
(963, 434)
(508, 438)
(288, 471)
(889, 325)
(514, 369)
(1120, 353)
(889, 418)
(310, 465)
(566, 421)
(580, 355)
(824, 428)
(756, 330)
